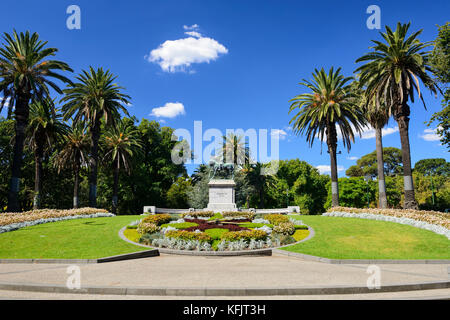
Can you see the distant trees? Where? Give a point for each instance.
(367, 164)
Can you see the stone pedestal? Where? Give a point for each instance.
(221, 196)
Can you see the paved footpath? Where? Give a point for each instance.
(171, 271)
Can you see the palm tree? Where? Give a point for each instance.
(44, 130)
(378, 118)
(120, 144)
(391, 74)
(235, 150)
(74, 155)
(26, 75)
(331, 103)
(93, 98)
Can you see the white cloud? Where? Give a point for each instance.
(169, 110)
(352, 158)
(327, 169)
(194, 34)
(178, 55)
(278, 132)
(430, 135)
(193, 27)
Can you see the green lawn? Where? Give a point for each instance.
(336, 238)
(72, 239)
(353, 238)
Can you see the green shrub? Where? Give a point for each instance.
(276, 219)
(301, 227)
(286, 228)
(132, 234)
(131, 227)
(254, 225)
(188, 235)
(183, 225)
(145, 227)
(235, 214)
(197, 214)
(244, 234)
(157, 219)
(216, 233)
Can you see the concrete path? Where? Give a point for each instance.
(170, 271)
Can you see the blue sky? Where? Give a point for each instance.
(245, 57)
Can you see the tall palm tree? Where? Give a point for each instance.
(26, 74)
(44, 130)
(120, 142)
(391, 74)
(331, 103)
(93, 98)
(74, 155)
(378, 118)
(235, 150)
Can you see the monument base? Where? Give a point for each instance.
(221, 195)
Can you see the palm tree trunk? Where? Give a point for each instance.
(402, 119)
(95, 137)
(380, 165)
(21, 113)
(76, 202)
(332, 147)
(115, 186)
(38, 155)
(261, 197)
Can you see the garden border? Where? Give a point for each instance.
(152, 291)
(120, 257)
(252, 252)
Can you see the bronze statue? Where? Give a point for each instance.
(221, 170)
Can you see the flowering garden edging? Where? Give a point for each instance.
(405, 221)
(249, 252)
(19, 225)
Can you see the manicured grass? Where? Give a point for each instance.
(353, 238)
(72, 239)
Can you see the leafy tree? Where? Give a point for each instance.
(433, 167)
(368, 165)
(305, 185)
(330, 103)
(440, 64)
(94, 97)
(73, 156)
(198, 194)
(391, 75)
(44, 130)
(354, 192)
(259, 180)
(177, 195)
(121, 142)
(27, 73)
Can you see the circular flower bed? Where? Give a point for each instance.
(209, 231)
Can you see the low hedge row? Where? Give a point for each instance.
(157, 219)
